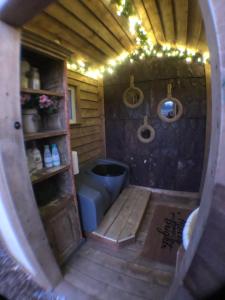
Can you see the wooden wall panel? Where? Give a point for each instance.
(88, 137)
(174, 159)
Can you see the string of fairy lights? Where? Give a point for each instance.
(144, 47)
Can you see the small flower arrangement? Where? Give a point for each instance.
(43, 103)
(48, 105)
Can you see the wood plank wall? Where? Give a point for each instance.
(88, 137)
(174, 159)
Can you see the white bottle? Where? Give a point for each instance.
(47, 157)
(37, 159)
(55, 156)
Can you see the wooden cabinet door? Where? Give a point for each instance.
(63, 232)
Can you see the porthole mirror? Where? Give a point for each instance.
(170, 109)
(133, 96)
(146, 133)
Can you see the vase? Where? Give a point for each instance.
(51, 121)
(31, 120)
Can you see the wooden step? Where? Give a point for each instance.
(123, 219)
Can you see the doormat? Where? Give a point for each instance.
(165, 234)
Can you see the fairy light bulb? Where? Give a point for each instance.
(110, 70)
(133, 22)
(188, 59)
(112, 62)
(81, 63)
(138, 41)
(159, 54)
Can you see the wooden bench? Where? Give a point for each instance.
(123, 219)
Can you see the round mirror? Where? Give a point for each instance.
(146, 133)
(170, 109)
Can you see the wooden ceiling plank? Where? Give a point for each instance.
(106, 17)
(154, 17)
(181, 17)
(140, 9)
(17, 13)
(166, 12)
(82, 13)
(65, 17)
(202, 45)
(54, 27)
(194, 24)
(121, 20)
(53, 38)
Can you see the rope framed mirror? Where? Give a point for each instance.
(169, 109)
(146, 133)
(133, 96)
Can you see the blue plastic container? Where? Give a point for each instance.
(98, 186)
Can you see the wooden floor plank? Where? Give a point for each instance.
(97, 289)
(116, 264)
(113, 212)
(121, 220)
(100, 271)
(121, 281)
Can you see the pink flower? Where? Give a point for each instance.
(47, 104)
(45, 101)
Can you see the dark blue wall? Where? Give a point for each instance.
(174, 159)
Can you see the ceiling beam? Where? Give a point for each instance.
(87, 17)
(41, 32)
(181, 21)
(166, 13)
(122, 21)
(18, 12)
(104, 14)
(202, 42)
(194, 24)
(154, 17)
(67, 18)
(61, 31)
(140, 9)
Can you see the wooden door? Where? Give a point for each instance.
(63, 232)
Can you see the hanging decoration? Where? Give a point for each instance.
(144, 47)
(169, 109)
(146, 133)
(133, 96)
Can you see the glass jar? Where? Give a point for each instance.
(25, 68)
(34, 80)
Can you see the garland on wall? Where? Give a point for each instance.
(144, 47)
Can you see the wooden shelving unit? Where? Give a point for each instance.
(44, 134)
(41, 92)
(54, 187)
(46, 173)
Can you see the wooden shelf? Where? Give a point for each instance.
(47, 173)
(42, 92)
(43, 134)
(55, 206)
